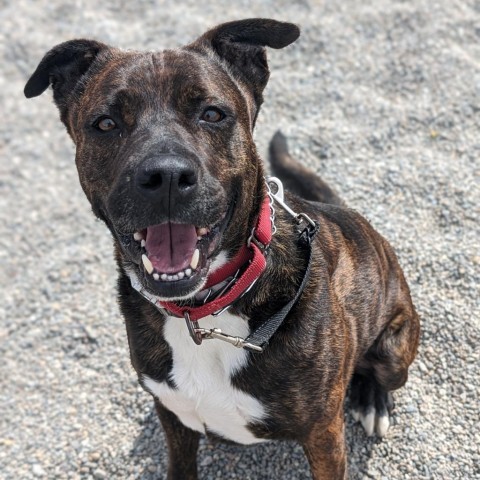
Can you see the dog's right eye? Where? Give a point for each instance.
(105, 124)
(212, 115)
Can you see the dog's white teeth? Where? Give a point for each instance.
(165, 277)
(147, 264)
(195, 259)
(137, 236)
(143, 243)
(202, 231)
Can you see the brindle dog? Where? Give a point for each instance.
(166, 157)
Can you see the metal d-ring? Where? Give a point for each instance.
(193, 329)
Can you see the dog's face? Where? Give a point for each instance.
(164, 145)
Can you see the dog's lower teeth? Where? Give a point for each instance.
(137, 236)
(143, 243)
(165, 277)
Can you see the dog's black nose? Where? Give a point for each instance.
(167, 176)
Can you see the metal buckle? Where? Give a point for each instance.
(193, 329)
(253, 239)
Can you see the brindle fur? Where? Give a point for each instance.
(355, 318)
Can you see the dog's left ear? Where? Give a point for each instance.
(242, 45)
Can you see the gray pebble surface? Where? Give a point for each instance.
(382, 98)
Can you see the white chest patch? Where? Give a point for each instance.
(202, 373)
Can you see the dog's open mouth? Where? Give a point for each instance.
(173, 259)
(172, 252)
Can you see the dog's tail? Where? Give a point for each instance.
(297, 178)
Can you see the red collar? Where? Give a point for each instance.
(252, 253)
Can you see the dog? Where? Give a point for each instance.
(250, 312)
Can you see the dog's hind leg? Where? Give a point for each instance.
(325, 450)
(182, 445)
(383, 369)
(295, 177)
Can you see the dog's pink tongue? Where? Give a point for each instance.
(170, 246)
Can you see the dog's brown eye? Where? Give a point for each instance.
(212, 115)
(105, 124)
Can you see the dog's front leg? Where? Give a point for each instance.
(325, 451)
(182, 446)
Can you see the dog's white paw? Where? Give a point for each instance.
(382, 423)
(371, 405)
(372, 422)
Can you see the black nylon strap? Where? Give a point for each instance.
(262, 335)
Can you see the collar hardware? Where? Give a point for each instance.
(278, 197)
(199, 334)
(235, 279)
(253, 239)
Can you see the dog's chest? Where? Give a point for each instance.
(205, 397)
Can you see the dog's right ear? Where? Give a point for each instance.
(62, 67)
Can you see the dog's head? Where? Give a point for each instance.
(164, 146)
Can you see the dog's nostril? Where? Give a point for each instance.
(153, 181)
(187, 180)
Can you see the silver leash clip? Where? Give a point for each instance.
(216, 333)
(199, 334)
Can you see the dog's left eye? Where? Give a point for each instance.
(212, 115)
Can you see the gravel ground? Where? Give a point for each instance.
(382, 97)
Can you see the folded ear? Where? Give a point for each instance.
(241, 44)
(62, 67)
